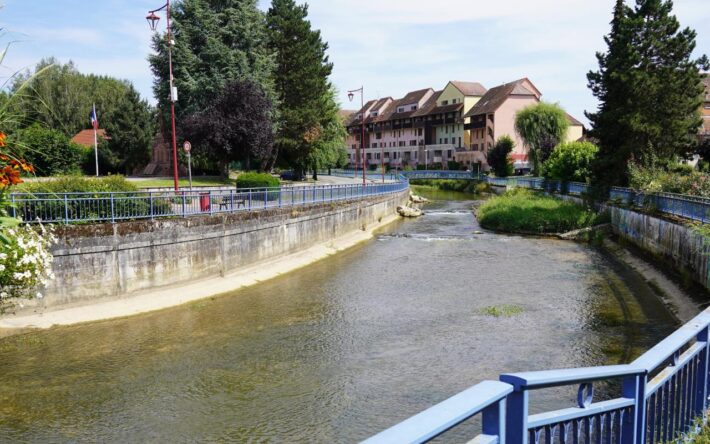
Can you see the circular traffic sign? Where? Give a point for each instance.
(187, 146)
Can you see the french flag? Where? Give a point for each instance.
(94, 119)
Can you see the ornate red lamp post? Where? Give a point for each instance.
(153, 19)
(351, 95)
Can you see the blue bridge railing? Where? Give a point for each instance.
(117, 206)
(660, 397)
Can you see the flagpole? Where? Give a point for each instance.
(96, 142)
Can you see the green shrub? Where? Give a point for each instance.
(49, 151)
(524, 211)
(499, 157)
(79, 184)
(678, 178)
(571, 162)
(257, 180)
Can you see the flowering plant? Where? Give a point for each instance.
(25, 262)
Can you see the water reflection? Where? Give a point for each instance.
(336, 351)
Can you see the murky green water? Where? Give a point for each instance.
(337, 351)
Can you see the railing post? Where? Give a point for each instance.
(14, 210)
(280, 192)
(66, 210)
(516, 419)
(634, 426)
(266, 197)
(701, 376)
(184, 214)
(113, 214)
(231, 201)
(494, 420)
(150, 198)
(209, 200)
(249, 199)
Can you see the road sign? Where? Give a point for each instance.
(187, 146)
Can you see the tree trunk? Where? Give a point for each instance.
(315, 172)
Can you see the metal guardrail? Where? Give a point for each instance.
(116, 206)
(660, 397)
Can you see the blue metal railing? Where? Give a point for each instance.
(117, 206)
(661, 397)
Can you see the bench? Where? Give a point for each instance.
(228, 201)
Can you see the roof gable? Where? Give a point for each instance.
(495, 97)
(469, 89)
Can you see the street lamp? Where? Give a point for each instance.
(153, 19)
(351, 95)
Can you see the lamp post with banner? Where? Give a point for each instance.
(187, 146)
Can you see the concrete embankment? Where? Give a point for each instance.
(105, 271)
(675, 244)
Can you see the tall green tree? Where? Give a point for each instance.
(310, 125)
(649, 89)
(542, 126)
(216, 42)
(61, 98)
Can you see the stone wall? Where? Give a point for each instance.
(673, 243)
(108, 261)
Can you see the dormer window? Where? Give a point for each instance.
(414, 107)
(453, 101)
(400, 109)
(373, 114)
(445, 102)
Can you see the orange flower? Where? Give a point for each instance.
(2, 138)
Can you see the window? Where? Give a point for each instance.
(446, 140)
(373, 114)
(374, 145)
(369, 156)
(412, 143)
(459, 141)
(402, 143)
(439, 140)
(400, 109)
(353, 146)
(475, 147)
(445, 102)
(414, 107)
(415, 155)
(419, 132)
(448, 154)
(378, 136)
(453, 102)
(377, 156)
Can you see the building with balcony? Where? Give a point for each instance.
(423, 127)
(493, 117)
(461, 122)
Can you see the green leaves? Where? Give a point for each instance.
(571, 162)
(542, 126)
(498, 157)
(649, 89)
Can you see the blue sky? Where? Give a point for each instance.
(389, 46)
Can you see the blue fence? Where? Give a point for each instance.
(660, 398)
(117, 206)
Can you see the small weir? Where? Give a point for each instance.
(340, 350)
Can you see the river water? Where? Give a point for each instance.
(339, 350)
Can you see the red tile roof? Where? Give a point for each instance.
(495, 97)
(86, 137)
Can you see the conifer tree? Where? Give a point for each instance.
(216, 42)
(649, 90)
(307, 105)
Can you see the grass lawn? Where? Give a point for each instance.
(524, 211)
(196, 182)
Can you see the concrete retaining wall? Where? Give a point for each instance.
(676, 244)
(106, 261)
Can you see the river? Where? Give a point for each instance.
(338, 350)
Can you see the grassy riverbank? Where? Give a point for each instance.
(524, 211)
(463, 186)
